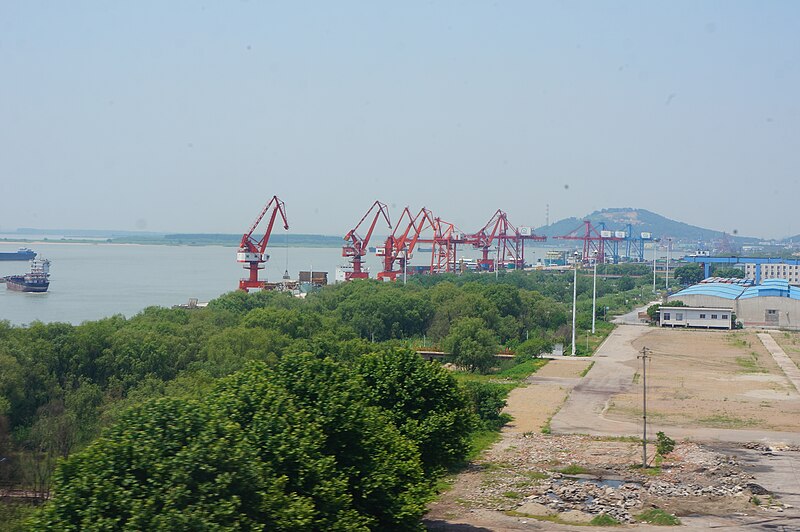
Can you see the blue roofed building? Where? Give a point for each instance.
(773, 303)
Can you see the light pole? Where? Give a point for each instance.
(574, 298)
(405, 263)
(669, 251)
(497, 262)
(594, 294)
(655, 248)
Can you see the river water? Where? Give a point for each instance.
(94, 280)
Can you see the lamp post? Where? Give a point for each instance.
(574, 298)
(405, 263)
(594, 293)
(655, 248)
(669, 251)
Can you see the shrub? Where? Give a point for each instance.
(664, 444)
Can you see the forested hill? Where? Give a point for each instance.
(641, 220)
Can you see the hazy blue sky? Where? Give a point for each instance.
(188, 116)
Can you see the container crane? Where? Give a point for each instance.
(594, 241)
(252, 252)
(357, 247)
(510, 242)
(399, 247)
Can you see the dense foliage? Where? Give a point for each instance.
(320, 406)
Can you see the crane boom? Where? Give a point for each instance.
(252, 252)
(357, 247)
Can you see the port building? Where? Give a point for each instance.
(755, 268)
(773, 303)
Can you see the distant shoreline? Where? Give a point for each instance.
(155, 242)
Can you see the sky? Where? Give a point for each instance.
(188, 116)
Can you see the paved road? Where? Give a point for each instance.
(789, 368)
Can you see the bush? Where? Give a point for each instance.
(488, 400)
(664, 444)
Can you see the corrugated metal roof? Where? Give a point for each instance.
(724, 290)
(768, 288)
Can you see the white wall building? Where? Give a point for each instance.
(787, 272)
(699, 317)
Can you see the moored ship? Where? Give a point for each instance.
(20, 254)
(37, 280)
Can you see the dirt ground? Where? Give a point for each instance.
(709, 379)
(514, 481)
(535, 481)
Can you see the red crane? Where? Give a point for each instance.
(593, 241)
(399, 247)
(252, 252)
(510, 242)
(357, 247)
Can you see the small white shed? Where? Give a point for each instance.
(699, 317)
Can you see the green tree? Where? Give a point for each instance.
(384, 473)
(471, 345)
(729, 272)
(171, 465)
(689, 274)
(425, 403)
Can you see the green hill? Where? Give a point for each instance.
(641, 220)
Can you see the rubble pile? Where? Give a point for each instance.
(523, 476)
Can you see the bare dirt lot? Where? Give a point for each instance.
(522, 478)
(700, 382)
(709, 379)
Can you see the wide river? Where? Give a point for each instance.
(92, 281)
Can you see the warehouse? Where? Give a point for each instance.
(773, 303)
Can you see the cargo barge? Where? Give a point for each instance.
(20, 254)
(37, 280)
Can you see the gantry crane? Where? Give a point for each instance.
(594, 241)
(510, 242)
(357, 247)
(252, 252)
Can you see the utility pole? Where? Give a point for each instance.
(574, 298)
(669, 251)
(594, 292)
(644, 356)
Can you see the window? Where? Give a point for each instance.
(724, 316)
(713, 316)
(702, 316)
(679, 316)
(666, 315)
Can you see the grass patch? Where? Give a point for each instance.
(727, 421)
(522, 370)
(13, 516)
(572, 469)
(480, 441)
(604, 520)
(749, 364)
(512, 495)
(588, 368)
(657, 516)
(652, 471)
